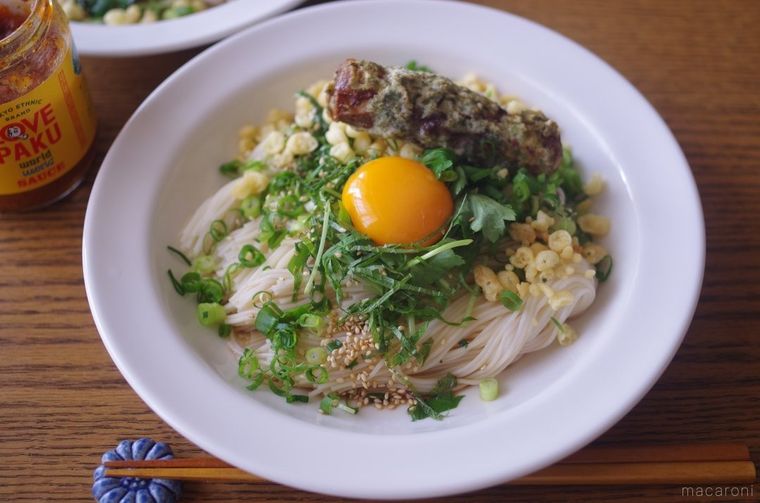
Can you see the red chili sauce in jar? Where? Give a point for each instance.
(47, 124)
(10, 20)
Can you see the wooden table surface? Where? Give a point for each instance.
(63, 402)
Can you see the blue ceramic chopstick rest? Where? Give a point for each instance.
(128, 489)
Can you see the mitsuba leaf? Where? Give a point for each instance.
(441, 399)
(439, 160)
(488, 216)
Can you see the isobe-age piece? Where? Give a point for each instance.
(397, 201)
(432, 111)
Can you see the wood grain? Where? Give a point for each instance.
(62, 401)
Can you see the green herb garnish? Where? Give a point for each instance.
(510, 300)
(440, 400)
(604, 268)
(558, 324)
(416, 67)
(489, 216)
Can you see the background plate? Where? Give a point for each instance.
(182, 33)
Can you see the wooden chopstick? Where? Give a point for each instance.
(682, 472)
(671, 464)
(703, 472)
(727, 451)
(170, 463)
(215, 474)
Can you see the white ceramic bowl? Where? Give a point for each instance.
(182, 33)
(164, 163)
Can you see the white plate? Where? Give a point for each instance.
(164, 163)
(165, 36)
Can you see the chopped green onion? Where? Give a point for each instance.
(210, 290)
(583, 238)
(269, 234)
(520, 190)
(289, 206)
(297, 399)
(268, 317)
(334, 344)
(175, 12)
(211, 313)
(347, 408)
(567, 224)
(510, 300)
(261, 298)
(316, 356)
(224, 330)
(208, 244)
(191, 282)
(179, 254)
(535, 204)
(284, 336)
(250, 256)
(230, 168)
(299, 225)
(285, 361)
(277, 390)
(604, 268)
(251, 207)
(320, 377)
(311, 321)
(204, 264)
(551, 200)
(217, 230)
(295, 313)
(328, 403)
(248, 364)
(256, 382)
(489, 389)
(231, 271)
(255, 165)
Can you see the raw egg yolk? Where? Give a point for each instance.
(397, 201)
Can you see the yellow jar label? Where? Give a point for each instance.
(46, 132)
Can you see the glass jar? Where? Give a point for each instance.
(47, 123)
